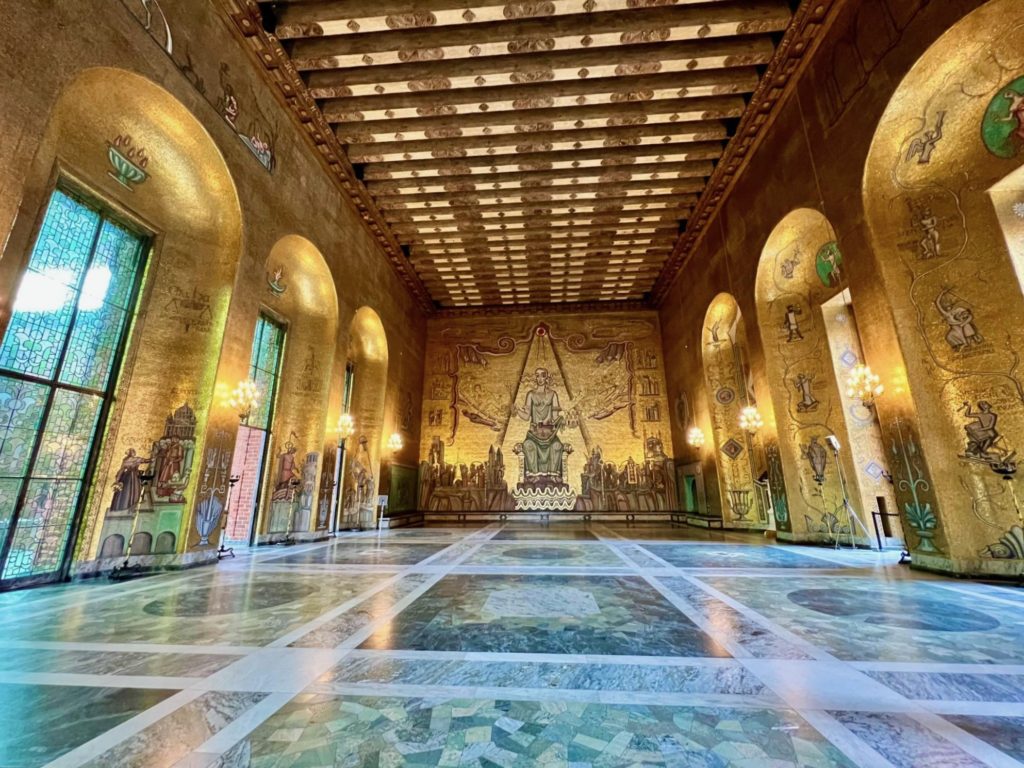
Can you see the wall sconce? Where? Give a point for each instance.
(244, 398)
(346, 427)
(695, 437)
(395, 442)
(750, 420)
(864, 385)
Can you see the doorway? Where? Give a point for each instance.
(871, 485)
(253, 441)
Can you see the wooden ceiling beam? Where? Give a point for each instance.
(540, 302)
(586, 239)
(533, 196)
(387, 14)
(584, 208)
(566, 261)
(551, 185)
(538, 264)
(568, 245)
(588, 211)
(592, 211)
(529, 121)
(522, 260)
(572, 235)
(606, 138)
(557, 65)
(585, 31)
(606, 90)
(706, 150)
(492, 293)
(593, 282)
(527, 228)
(683, 170)
(527, 225)
(588, 282)
(567, 258)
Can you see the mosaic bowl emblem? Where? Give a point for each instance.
(1002, 128)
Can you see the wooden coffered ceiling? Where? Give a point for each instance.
(531, 151)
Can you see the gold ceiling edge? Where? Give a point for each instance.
(285, 81)
(779, 80)
(560, 308)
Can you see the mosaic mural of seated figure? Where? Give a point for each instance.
(542, 450)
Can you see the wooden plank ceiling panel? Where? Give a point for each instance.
(532, 151)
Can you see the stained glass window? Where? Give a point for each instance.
(264, 367)
(57, 361)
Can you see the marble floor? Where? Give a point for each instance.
(508, 645)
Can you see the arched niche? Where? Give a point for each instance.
(811, 343)
(188, 203)
(305, 302)
(368, 355)
(738, 455)
(942, 189)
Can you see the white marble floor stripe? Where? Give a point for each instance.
(333, 613)
(148, 648)
(710, 628)
(97, 681)
(970, 744)
(826, 685)
(238, 729)
(938, 667)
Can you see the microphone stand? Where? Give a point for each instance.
(227, 551)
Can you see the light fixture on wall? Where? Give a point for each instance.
(864, 385)
(395, 442)
(345, 427)
(244, 398)
(695, 437)
(750, 420)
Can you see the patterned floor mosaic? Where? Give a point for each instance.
(595, 615)
(582, 646)
(325, 730)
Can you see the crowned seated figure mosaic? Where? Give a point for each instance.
(542, 451)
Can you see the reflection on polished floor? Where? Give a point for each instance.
(517, 646)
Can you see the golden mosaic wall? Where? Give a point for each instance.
(176, 341)
(740, 455)
(368, 354)
(944, 201)
(608, 375)
(298, 292)
(810, 345)
(234, 193)
(815, 155)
